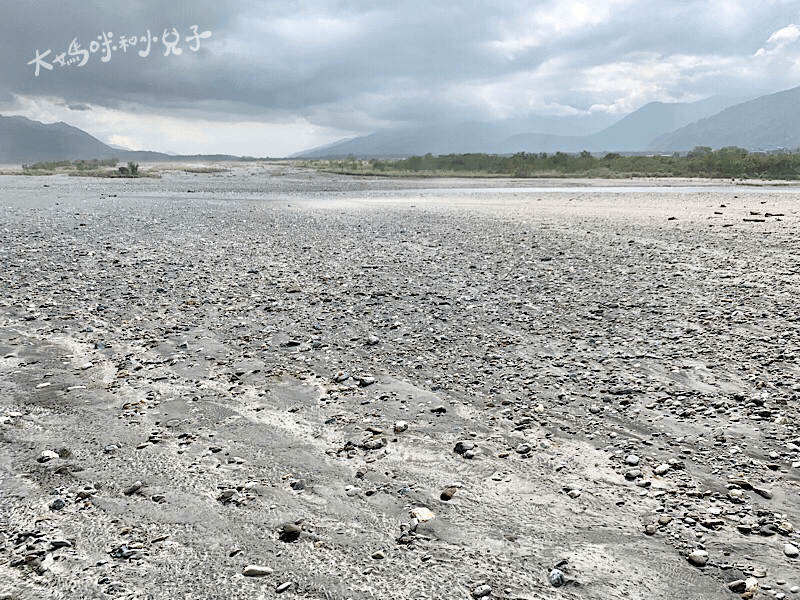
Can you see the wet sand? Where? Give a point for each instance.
(280, 368)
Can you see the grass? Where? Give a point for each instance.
(104, 168)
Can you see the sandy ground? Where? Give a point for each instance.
(272, 382)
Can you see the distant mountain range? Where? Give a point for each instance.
(766, 123)
(632, 133)
(25, 141)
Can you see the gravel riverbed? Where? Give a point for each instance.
(276, 382)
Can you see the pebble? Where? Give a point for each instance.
(290, 532)
(632, 460)
(463, 447)
(422, 514)
(698, 558)
(400, 426)
(379, 555)
(135, 487)
(283, 587)
(58, 504)
(47, 455)
(257, 571)
(791, 550)
(448, 493)
(481, 591)
(557, 578)
(352, 490)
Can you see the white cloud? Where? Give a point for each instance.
(785, 36)
(143, 130)
(779, 40)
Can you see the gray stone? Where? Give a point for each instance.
(257, 571)
(463, 446)
(699, 558)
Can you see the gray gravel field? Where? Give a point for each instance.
(276, 382)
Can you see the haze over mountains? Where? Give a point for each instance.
(765, 123)
(25, 141)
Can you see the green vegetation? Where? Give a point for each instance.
(204, 170)
(727, 163)
(87, 168)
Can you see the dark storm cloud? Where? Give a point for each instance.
(344, 63)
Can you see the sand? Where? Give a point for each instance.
(254, 383)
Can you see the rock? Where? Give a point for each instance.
(557, 578)
(750, 587)
(400, 426)
(379, 555)
(226, 495)
(633, 474)
(283, 587)
(481, 591)
(463, 446)
(632, 460)
(134, 487)
(422, 514)
(257, 571)
(698, 558)
(791, 550)
(448, 493)
(46, 456)
(661, 469)
(650, 529)
(290, 532)
(764, 493)
(58, 504)
(298, 485)
(439, 410)
(523, 449)
(738, 586)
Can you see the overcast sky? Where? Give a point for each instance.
(274, 78)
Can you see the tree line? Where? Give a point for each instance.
(730, 163)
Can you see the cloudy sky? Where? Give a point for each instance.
(275, 77)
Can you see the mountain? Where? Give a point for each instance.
(441, 138)
(766, 123)
(25, 141)
(631, 133)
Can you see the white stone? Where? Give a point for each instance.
(698, 558)
(256, 571)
